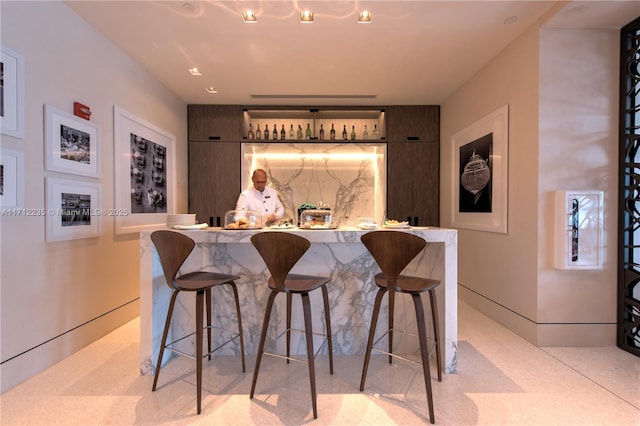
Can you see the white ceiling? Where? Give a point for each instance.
(414, 52)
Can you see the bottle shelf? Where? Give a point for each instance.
(316, 120)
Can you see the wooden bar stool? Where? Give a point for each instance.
(280, 252)
(392, 251)
(173, 249)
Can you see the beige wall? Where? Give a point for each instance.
(561, 87)
(578, 150)
(58, 297)
(500, 268)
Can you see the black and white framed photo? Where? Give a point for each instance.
(480, 169)
(11, 179)
(72, 144)
(73, 209)
(11, 93)
(144, 173)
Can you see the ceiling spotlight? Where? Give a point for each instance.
(306, 17)
(249, 17)
(365, 17)
(211, 90)
(195, 71)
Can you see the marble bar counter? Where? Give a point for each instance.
(337, 253)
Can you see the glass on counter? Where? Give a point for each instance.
(242, 219)
(316, 219)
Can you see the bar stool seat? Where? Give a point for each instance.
(392, 251)
(280, 252)
(173, 249)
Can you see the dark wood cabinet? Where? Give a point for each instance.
(413, 155)
(214, 178)
(215, 122)
(413, 182)
(413, 123)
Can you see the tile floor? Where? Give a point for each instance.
(502, 380)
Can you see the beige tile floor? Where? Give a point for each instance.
(502, 380)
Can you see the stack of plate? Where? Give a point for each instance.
(180, 219)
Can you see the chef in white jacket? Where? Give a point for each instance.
(261, 198)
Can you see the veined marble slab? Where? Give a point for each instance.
(338, 254)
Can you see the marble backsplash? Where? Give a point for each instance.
(350, 178)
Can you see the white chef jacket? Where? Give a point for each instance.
(265, 203)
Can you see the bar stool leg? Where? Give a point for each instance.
(392, 298)
(327, 320)
(308, 329)
(199, 309)
(207, 294)
(165, 333)
(237, 300)
(424, 350)
(289, 302)
(263, 335)
(372, 332)
(436, 330)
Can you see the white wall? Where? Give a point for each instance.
(579, 92)
(58, 297)
(498, 272)
(561, 87)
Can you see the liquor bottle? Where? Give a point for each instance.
(365, 133)
(251, 135)
(283, 134)
(344, 132)
(266, 132)
(332, 133)
(353, 133)
(275, 132)
(299, 132)
(292, 134)
(375, 131)
(321, 132)
(307, 133)
(258, 133)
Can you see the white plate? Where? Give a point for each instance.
(366, 225)
(186, 227)
(401, 225)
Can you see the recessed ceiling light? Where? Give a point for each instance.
(306, 17)
(195, 71)
(365, 17)
(511, 19)
(249, 17)
(211, 90)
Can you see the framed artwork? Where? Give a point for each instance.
(480, 169)
(11, 179)
(73, 209)
(12, 93)
(72, 144)
(144, 173)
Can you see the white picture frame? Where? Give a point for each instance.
(73, 209)
(72, 144)
(144, 173)
(480, 174)
(12, 93)
(11, 179)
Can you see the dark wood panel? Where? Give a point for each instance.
(214, 178)
(215, 122)
(413, 121)
(413, 182)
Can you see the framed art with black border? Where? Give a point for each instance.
(72, 144)
(11, 180)
(73, 209)
(12, 93)
(480, 173)
(144, 173)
